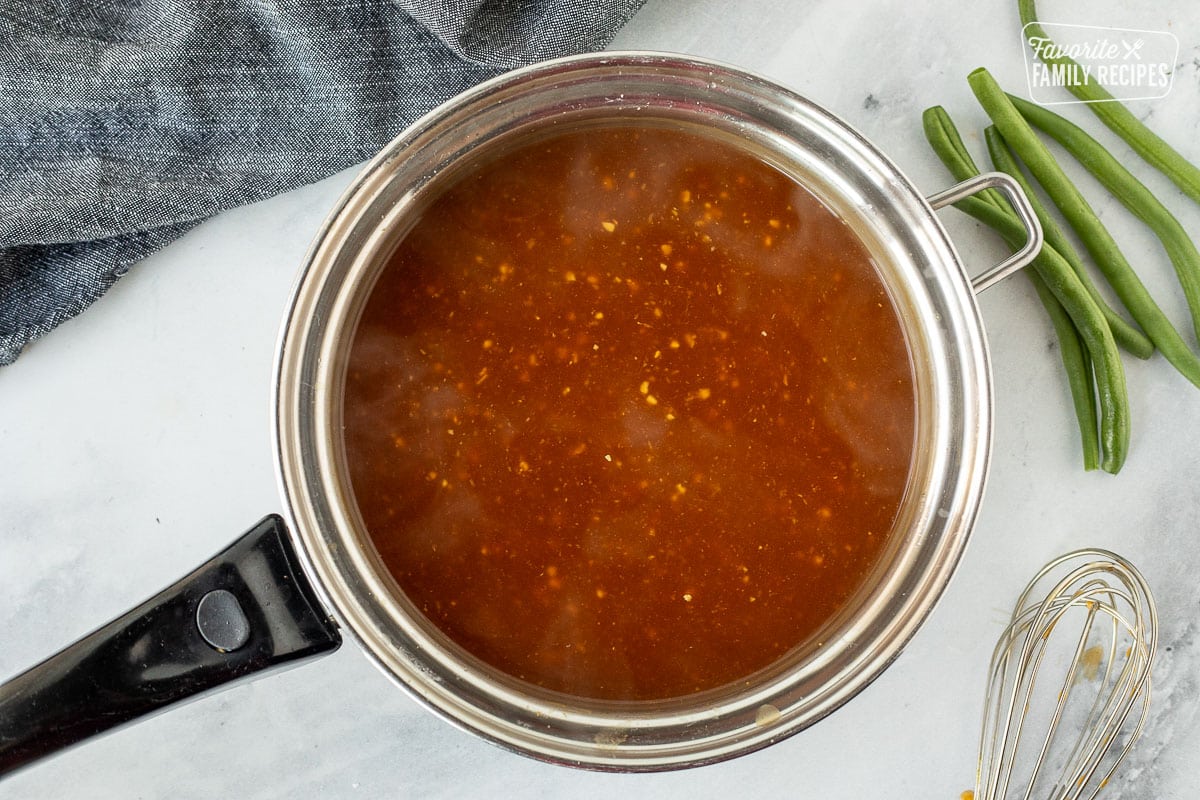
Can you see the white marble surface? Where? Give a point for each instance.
(134, 443)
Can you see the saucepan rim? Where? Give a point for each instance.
(929, 286)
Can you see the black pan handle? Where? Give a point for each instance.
(249, 609)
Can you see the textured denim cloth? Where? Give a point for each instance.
(125, 122)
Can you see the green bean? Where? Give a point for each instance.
(1070, 296)
(1078, 365)
(1117, 117)
(1127, 336)
(1025, 143)
(1089, 322)
(941, 133)
(1132, 193)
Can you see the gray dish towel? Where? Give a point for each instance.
(123, 123)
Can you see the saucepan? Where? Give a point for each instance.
(288, 589)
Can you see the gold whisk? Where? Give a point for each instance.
(1065, 739)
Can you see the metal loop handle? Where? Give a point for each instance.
(1020, 204)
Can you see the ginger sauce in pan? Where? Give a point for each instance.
(629, 414)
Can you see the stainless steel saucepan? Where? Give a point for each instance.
(288, 588)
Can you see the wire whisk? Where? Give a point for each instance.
(1062, 738)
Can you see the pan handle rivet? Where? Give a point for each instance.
(221, 620)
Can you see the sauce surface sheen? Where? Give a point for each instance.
(629, 413)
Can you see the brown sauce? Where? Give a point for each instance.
(629, 414)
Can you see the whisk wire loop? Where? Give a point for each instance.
(1050, 742)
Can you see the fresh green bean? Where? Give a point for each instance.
(1132, 193)
(1070, 295)
(942, 134)
(1127, 336)
(1025, 143)
(1077, 363)
(1116, 116)
(1089, 322)
(946, 142)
